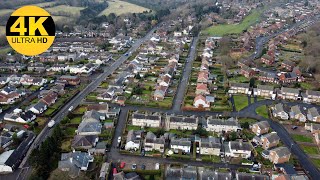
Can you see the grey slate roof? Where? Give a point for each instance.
(80, 141)
(281, 151)
(236, 145)
(272, 137)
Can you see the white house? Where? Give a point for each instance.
(210, 146)
(145, 120)
(238, 149)
(278, 111)
(133, 140)
(221, 125)
(200, 101)
(183, 145)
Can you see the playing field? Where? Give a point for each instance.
(223, 29)
(64, 10)
(121, 7)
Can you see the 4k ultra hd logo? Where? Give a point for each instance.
(30, 30)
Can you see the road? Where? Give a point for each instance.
(81, 95)
(183, 85)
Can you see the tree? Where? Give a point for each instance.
(245, 125)
(201, 131)
(233, 136)
(185, 46)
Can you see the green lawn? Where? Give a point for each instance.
(121, 7)
(244, 120)
(262, 111)
(223, 29)
(49, 111)
(131, 127)
(212, 158)
(240, 102)
(310, 149)
(301, 138)
(307, 86)
(316, 162)
(76, 120)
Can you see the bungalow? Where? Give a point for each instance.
(152, 143)
(289, 93)
(181, 145)
(210, 146)
(200, 101)
(279, 155)
(238, 149)
(202, 89)
(296, 113)
(311, 96)
(38, 108)
(84, 142)
(50, 98)
(239, 88)
(221, 125)
(203, 77)
(133, 140)
(71, 80)
(270, 140)
(265, 91)
(313, 114)
(181, 122)
(247, 71)
(90, 124)
(260, 128)
(160, 93)
(278, 111)
(73, 162)
(146, 120)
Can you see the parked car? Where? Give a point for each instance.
(198, 150)
(143, 167)
(70, 108)
(134, 166)
(122, 165)
(114, 171)
(294, 127)
(143, 152)
(157, 166)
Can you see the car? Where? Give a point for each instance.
(122, 165)
(70, 108)
(198, 150)
(41, 88)
(134, 166)
(143, 152)
(157, 166)
(143, 167)
(126, 54)
(114, 171)
(294, 127)
(26, 126)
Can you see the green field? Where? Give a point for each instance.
(65, 10)
(316, 162)
(301, 138)
(121, 7)
(310, 149)
(224, 29)
(240, 102)
(262, 111)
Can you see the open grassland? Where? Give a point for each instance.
(65, 10)
(121, 7)
(224, 29)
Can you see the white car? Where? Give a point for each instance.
(157, 166)
(70, 108)
(198, 150)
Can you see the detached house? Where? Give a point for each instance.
(278, 111)
(145, 120)
(180, 122)
(133, 140)
(203, 77)
(38, 108)
(270, 140)
(152, 143)
(279, 155)
(202, 89)
(201, 101)
(90, 124)
(238, 149)
(239, 88)
(261, 127)
(313, 114)
(181, 145)
(50, 98)
(296, 113)
(84, 142)
(73, 162)
(210, 146)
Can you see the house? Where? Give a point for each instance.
(133, 140)
(260, 128)
(265, 91)
(152, 143)
(50, 98)
(71, 80)
(202, 89)
(203, 77)
(206, 174)
(181, 122)
(270, 140)
(181, 145)
(289, 93)
(160, 93)
(290, 77)
(90, 124)
(313, 114)
(84, 142)
(250, 176)
(311, 96)
(279, 155)
(210, 146)
(296, 113)
(247, 72)
(288, 65)
(268, 60)
(312, 127)
(239, 88)
(181, 173)
(238, 149)
(278, 111)
(201, 101)
(146, 120)
(221, 125)
(38, 108)
(269, 77)
(74, 162)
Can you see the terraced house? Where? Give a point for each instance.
(153, 143)
(221, 125)
(265, 91)
(289, 93)
(180, 122)
(311, 96)
(239, 88)
(146, 120)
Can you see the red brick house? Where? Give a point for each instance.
(247, 71)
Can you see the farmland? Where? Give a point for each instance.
(65, 10)
(121, 7)
(223, 29)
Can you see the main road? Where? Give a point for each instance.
(82, 94)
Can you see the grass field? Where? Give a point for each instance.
(224, 29)
(310, 149)
(121, 7)
(316, 162)
(240, 102)
(301, 138)
(64, 9)
(262, 111)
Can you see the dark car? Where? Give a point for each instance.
(143, 152)
(143, 167)
(294, 127)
